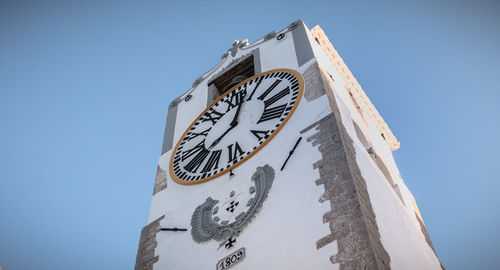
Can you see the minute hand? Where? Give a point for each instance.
(235, 118)
(232, 125)
(222, 136)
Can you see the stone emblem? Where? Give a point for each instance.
(224, 220)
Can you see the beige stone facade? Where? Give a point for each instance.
(359, 98)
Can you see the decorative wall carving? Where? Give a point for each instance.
(236, 45)
(270, 35)
(206, 223)
(294, 24)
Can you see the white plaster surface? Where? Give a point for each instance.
(189, 110)
(284, 233)
(278, 53)
(273, 54)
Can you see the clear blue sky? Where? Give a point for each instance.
(85, 85)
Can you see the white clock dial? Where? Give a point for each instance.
(236, 126)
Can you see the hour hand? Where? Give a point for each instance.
(235, 118)
(232, 125)
(222, 136)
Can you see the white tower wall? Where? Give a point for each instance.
(338, 204)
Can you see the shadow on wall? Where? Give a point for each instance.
(378, 160)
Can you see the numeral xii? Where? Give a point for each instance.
(235, 99)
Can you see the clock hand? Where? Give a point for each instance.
(291, 153)
(222, 136)
(235, 118)
(173, 229)
(232, 125)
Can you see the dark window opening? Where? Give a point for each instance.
(240, 72)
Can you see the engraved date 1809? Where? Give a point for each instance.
(231, 259)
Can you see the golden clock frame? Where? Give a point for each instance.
(203, 180)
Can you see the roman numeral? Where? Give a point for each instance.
(237, 151)
(195, 134)
(278, 96)
(213, 161)
(195, 163)
(257, 133)
(271, 113)
(212, 116)
(236, 99)
(186, 154)
(255, 88)
(263, 95)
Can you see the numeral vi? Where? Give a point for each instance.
(233, 155)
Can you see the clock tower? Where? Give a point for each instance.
(276, 159)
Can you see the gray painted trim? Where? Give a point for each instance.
(256, 61)
(303, 49)
(168, 137)
(212, 94)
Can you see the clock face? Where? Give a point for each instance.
(235, 126)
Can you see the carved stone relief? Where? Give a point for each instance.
(225, 219)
